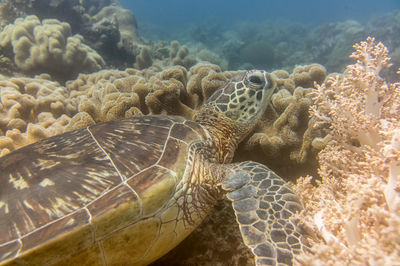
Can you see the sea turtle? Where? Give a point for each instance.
(125, 192)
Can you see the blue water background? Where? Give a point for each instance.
(172, 15)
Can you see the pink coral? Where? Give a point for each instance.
(355, 209)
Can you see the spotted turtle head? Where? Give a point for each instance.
(244, 98)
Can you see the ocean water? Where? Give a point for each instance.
(93, 81)
(270, 34)
(176, 14)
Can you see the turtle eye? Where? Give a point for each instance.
(255, 80)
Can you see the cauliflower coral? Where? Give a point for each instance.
(355, 208)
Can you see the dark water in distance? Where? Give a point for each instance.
(175, 14)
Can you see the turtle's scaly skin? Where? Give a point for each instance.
(126, 192)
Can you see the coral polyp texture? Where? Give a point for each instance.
(285, 138)
(30, 110)
(355, 208)
(48, 47)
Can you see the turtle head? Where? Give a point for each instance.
(242, 100)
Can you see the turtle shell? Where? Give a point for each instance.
(99, 195)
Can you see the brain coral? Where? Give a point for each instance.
(48, 47)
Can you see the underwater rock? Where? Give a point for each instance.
(48, 47)
(74, 12)
(161, 55)
(103, 36)
(114, 34)
(126, 23)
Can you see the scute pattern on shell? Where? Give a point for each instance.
(87, 174)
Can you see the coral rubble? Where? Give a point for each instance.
(355, 208)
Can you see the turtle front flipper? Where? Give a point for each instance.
(264, 207)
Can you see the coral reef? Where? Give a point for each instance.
(260, 54)
(9, 11)
(352, 206)
(285, 138)
(74, 12)
(355, 208)
(162, 55)
(7, 66)
(92, 98)
(113, 33)
(113, 94)
(305, 76)
(385, 27)
(36, 108)
(126, 21)
(330, 44)
(107, 27)
(283, 44)
(30, 110)
(48, 47)
(204, 54)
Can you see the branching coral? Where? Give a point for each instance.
(48, 47)
(355, 210)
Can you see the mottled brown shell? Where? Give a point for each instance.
(85, 191)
